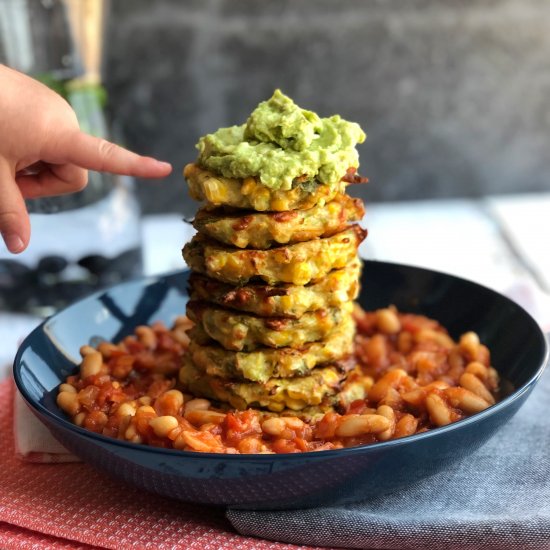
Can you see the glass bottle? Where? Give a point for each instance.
(91, 239)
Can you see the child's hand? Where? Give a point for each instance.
(43, 152)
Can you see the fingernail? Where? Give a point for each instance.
(14, 242)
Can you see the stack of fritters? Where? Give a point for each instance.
(275, 273)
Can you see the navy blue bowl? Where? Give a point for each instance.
(50, 353)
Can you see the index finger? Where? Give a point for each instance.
(103, 156)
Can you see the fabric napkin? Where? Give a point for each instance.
(498, 498)
(50, 506)
(33, 442)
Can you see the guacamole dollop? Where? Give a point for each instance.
(281, 142)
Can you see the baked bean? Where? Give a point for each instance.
(478, 369)
(163, 425)
(388, 321)
(181, 336)
(146, 335)
(284, 427)
(376, 350)
(414, 397)
(68, 401)
(387, 412)
(79, 418)
(475, 385)
(199, 417)
(405, 342)
(85, 350)
(405, 426)
(91, 364)
(430, 335)
(293, 422)
(469, 344)
(466, 400)
(130, 432)
(125, 409)
(417, 396)
(146, 410)
(107, 349)
(197, 405)
(252, 445)
(170, 402)
(354, 425)
(410, 377)
(274, 426)
(391, 379)
(439, 411)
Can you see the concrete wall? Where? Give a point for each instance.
(454, 95)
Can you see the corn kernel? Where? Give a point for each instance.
(279, 204)
(333, 208)
(286, 302)
(215, 191)
(301, 273)
(248, 186)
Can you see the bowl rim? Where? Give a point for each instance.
(40, 410)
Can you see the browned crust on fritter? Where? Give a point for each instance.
(299, 263)
(338, 287)
(240, 331)
(265, 363)
(263, 230)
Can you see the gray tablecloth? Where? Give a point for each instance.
(499, 498)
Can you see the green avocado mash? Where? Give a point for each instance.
(281, 142)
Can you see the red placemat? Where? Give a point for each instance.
(74, 506)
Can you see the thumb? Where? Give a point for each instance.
(14, 219)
